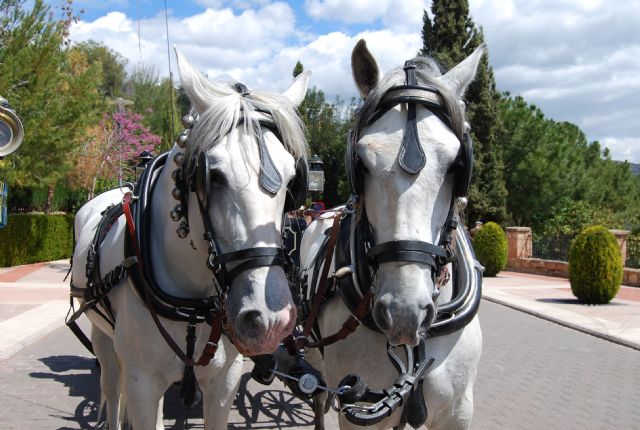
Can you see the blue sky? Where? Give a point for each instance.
(578, 60)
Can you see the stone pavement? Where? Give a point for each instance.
(551, 299)
(34, 300)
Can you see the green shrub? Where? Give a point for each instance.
(490, 246)
(595, 266)
(32, 238)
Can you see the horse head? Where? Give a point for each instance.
(409, 161)
(238, 165)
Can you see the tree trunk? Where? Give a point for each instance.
(47, 206)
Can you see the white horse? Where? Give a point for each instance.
(223, 186)
(409, 163)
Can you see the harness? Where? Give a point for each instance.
(138, 262)
(357, 259)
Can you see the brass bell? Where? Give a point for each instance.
(11, 130)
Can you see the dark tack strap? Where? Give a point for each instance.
(270, 178)
(262, 251)
(412, 251)
(272, 260)
(411, 157)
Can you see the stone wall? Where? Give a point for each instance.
(520, 257)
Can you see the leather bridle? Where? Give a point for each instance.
(412, 159)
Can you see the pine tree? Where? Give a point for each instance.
(52, 87)
(449, 39)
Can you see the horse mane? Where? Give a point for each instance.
(227, 108)
(428, 73)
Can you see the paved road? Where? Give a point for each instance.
(533, 375)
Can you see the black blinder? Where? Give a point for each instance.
(298, 187)
(203, 180)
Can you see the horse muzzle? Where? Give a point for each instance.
(256, 332)
(404, 323)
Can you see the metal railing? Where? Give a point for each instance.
(552, 247)
(633, 253)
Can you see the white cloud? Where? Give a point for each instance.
(403, 15)
(576, 60)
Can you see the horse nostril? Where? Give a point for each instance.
(382, 316)
(250, 324)
(430, 317)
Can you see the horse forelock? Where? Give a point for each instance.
(427, 73)
(227, 108)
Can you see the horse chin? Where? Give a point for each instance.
(397, 339)
(268, 342)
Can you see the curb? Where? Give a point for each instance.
(566, 324)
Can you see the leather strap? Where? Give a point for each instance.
(411, 157)
(322, 283)
(216, 326)
(412, 251)
(349, 326)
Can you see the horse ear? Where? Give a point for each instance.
(298, 89)
(194, 83)
(364, 67)
(464, 73)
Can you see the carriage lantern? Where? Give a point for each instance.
(143, 159)
(316, 176)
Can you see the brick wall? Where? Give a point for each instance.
(520, 258)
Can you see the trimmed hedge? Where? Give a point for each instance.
(595, 266)
(32, 238)
(490, 246)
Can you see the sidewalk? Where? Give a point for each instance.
(551, 299)
(34, 300)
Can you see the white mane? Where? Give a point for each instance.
(222, 108)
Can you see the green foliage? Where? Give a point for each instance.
(595, 266)
(449, 39)
(111, 64)
(157, 101)
(298, 69)
(327, 126)
(30, 238)
(53, 88)
(559, 181)
(490, 246)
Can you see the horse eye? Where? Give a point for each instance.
(217, 177)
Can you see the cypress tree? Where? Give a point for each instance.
(449, 39)
(299, 68)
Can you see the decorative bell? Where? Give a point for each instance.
(176, 213)
(183, 230)
(462, 202)
(183, 139)
(176, 193)
(188, 120)
(178, 158)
